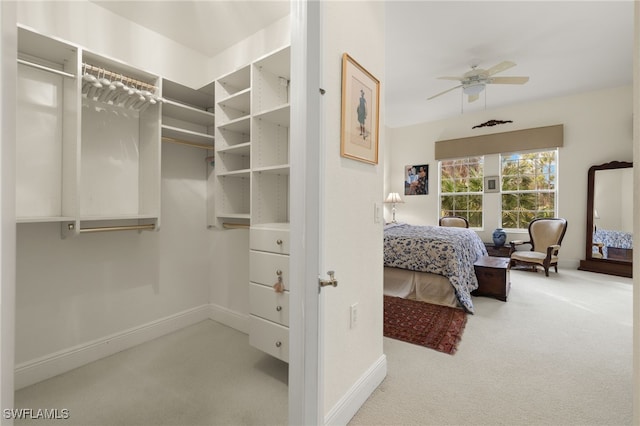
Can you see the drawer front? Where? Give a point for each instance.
(267, 304)
(264, 268)
(269, 337)
(271, 240)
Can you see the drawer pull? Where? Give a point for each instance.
(278, 308)
(278, 344)
(279, 242)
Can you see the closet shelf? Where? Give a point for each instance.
(245, 216)
(244, 173)
(239, 149)
(274, 170)
(44, 219)
(117, 217)
(278, 115)
(240, 125)
(173, 109)
(187, 135)
(240, 101)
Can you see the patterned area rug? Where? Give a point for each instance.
(436, 327)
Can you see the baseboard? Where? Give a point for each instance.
(229, 318)
(51, 365)
(350, 403)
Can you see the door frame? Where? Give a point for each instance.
(305, 326)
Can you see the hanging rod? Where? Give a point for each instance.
(42, 67)
(115, 228)
(182, 142)
(235, 225)
(119, 77)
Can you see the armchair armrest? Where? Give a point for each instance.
(553, 250)
(515, 243)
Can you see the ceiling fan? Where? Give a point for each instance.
(473, 82)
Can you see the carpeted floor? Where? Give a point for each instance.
(433, 326)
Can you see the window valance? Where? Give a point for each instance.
(496, 143)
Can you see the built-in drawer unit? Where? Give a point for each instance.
(266, 303)
(272, 238)
(269, 337)
(268, 268)
(269, 289)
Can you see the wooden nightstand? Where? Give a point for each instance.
(504, 251)
(493, 277)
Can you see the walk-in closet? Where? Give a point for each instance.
(152, 200)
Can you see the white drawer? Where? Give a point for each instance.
(267, 304)
(269, 337)
(264, 268)
(269, 239)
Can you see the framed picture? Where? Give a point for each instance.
(416, 180)
(360, 112)
(491, 184)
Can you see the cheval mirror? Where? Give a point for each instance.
(609, 234)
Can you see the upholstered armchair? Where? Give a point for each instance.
(455, 221)
(545, 238)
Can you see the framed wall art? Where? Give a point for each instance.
(416, 180)
(491, 184)
(360, 112)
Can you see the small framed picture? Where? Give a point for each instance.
(360, 109)
(491, 184)
(416, 179)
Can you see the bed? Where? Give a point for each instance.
(433, 264)
(615, 245)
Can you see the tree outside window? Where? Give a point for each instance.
(461, 186)
(528, 187)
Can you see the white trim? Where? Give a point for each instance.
(42, 368)
(350, 403)
(230, 318)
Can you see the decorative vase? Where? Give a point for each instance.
(499, 237)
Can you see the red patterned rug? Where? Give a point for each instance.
(436, 327)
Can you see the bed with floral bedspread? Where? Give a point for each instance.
(447, 251)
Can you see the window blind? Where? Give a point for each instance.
(496, 143)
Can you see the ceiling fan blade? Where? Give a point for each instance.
(504, 65)
(451, 78)
(442, 93)
(509, 80)
(473, 98)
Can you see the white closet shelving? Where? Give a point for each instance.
(233, 148)
(252, 149)
(47, 147)
(85, 159)
(187, 115)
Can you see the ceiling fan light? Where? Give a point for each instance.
(473, 89)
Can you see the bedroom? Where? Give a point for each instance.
(337, 303)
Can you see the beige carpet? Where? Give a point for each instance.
(205, 374)
(559, 352)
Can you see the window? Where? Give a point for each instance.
(461, 183)
(528, 187)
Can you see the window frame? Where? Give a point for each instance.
(553, 191)
(480, 193)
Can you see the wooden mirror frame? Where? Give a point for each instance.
(591, 264)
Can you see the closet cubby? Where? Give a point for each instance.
(47, 129)
(188, 115)
(120, 152)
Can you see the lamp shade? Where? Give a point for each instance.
(393, 197)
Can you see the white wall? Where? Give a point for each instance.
(7, 202)
(597, 129)
(110, 35)
(353, 242)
